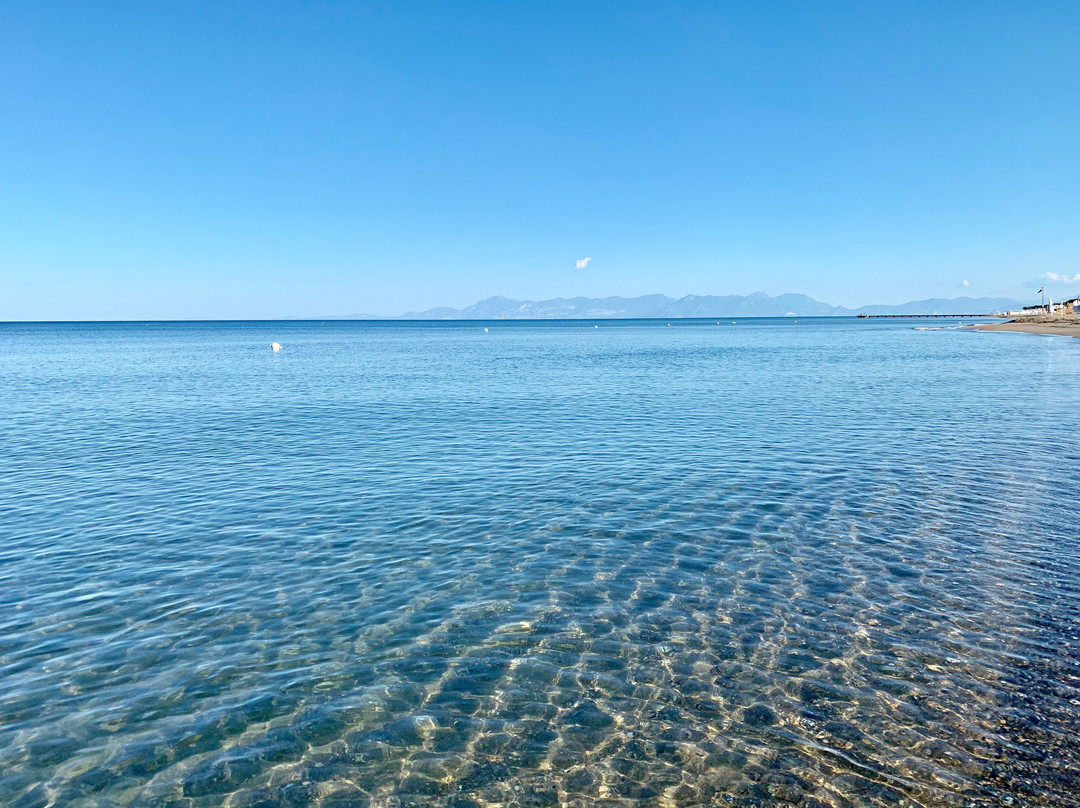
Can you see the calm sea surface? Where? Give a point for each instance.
(768, 563)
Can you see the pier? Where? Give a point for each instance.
(912, 316)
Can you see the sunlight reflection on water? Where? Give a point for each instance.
(417, 564)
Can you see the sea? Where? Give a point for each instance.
(739, 562)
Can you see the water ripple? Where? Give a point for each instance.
(549, 565)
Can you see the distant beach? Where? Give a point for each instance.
(1067, 326)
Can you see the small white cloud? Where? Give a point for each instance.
(1053, 276)
(967, 283)
(581, 263)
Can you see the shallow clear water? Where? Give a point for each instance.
(823, 563)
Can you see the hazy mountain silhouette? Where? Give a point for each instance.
(758, 304)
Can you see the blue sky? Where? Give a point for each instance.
(271, 159)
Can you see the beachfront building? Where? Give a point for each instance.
(1063, 308)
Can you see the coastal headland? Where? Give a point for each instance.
(1065, 325)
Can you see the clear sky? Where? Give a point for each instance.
(266, 159)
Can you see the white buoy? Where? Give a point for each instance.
(596, 326)
(275, 346)
(485, 330)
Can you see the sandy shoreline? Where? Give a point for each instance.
(1063, 326)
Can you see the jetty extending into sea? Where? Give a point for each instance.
(911, 316)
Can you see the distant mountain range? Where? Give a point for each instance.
(758, 304)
